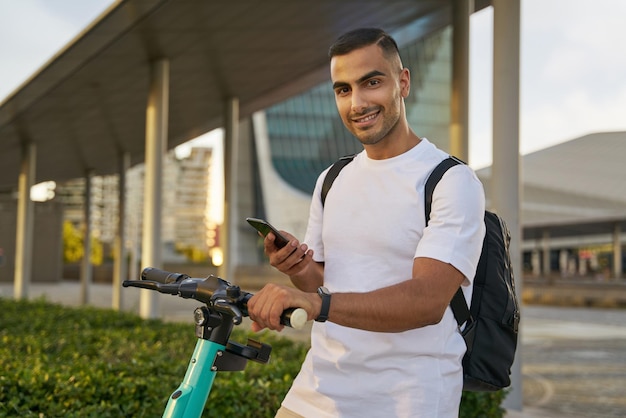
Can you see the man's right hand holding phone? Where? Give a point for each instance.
(291, 259)
(296, 261)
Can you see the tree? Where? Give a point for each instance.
(73, 248)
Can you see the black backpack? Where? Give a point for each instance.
(492, 323)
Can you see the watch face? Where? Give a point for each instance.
(323, 290)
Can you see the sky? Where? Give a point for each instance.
(572, 74)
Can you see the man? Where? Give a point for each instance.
(385, 342)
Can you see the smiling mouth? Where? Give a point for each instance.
(366, 119)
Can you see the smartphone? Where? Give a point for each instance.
(265, 227)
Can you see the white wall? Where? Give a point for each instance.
(287, 208)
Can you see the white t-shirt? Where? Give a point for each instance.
(368, 233)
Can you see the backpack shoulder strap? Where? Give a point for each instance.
(433, 179)
(458, 304)
(333, 173)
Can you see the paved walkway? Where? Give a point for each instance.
(574, 359)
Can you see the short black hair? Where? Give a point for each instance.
(359, 38)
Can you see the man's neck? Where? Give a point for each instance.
(392, 147)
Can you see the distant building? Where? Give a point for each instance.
(104, 204)
(574, 207)
(186, 204)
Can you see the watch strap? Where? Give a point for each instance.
(323, 316)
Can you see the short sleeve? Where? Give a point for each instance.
(456, 228)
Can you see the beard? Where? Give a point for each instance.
(374, 134)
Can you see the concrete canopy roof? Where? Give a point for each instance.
(575, 188)
(87, 105)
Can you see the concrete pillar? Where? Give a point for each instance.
(228, 229)
(459, 103)
(135, 240)
(582, 266)
(156, 145)
(535, 261)
(25, 222)
(86, 270)
(120, 264)
(505, 178)
(545, 253)
(617, 251)
(572, 265)
(563, 262)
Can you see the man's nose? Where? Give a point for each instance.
(359, 104)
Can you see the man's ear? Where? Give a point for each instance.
(405, 82)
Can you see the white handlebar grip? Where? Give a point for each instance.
(298, 318)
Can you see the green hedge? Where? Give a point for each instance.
(87, 362)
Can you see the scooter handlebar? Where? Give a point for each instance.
(161, 276)
(207, 290)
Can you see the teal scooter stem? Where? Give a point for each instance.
(191, 396)
(213, 353)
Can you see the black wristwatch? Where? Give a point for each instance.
(325, 295)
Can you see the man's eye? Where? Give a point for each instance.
(342, 91)
(373, 82)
